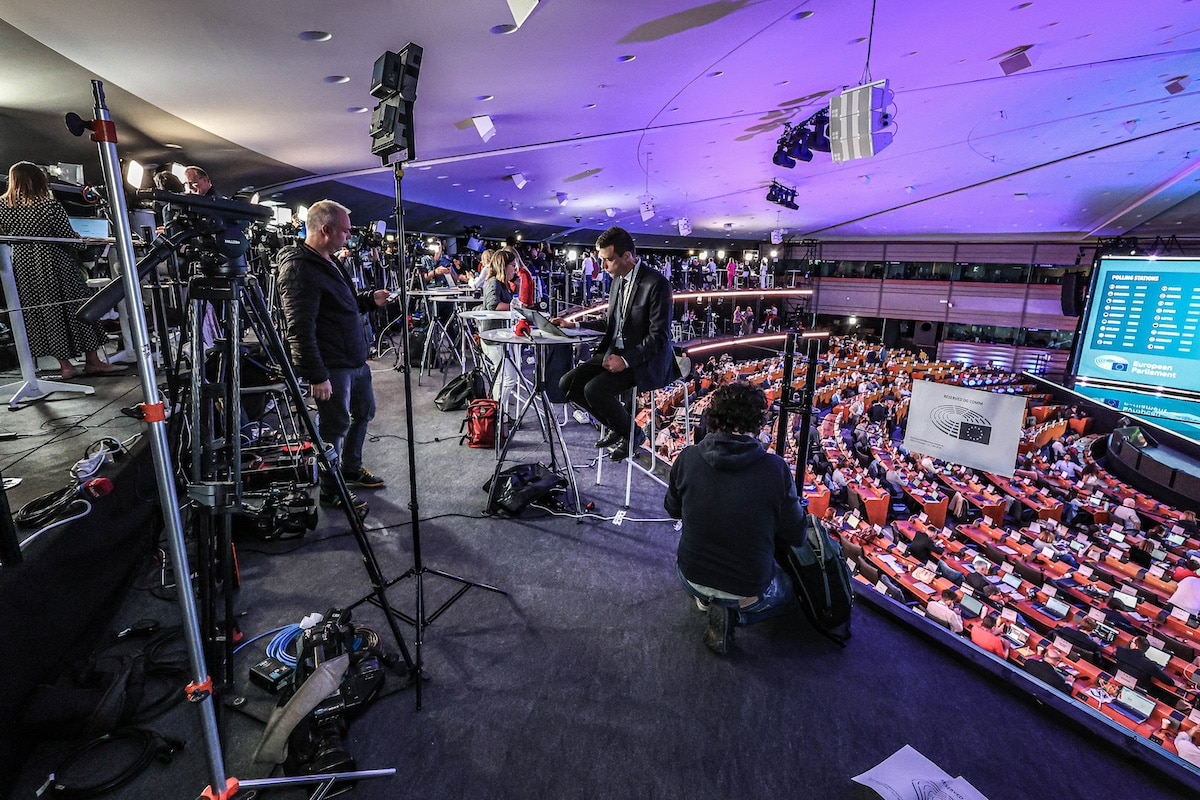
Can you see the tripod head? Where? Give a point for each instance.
(215, 226)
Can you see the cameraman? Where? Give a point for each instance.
(329, 342)
(736, 501)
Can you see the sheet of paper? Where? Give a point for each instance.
(908, 775)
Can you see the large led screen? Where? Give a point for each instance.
(1142, 324)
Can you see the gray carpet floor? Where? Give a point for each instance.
(588, 678)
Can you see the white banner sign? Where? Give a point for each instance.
(965, 426)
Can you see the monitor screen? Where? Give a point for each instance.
(1137, 350)
(1128, 601)
(1012, 580)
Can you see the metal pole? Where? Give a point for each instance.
(104, 133)
(810, 391)
(785, 394)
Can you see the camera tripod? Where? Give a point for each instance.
(230, 285)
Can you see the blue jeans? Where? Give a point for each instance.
(776, 599)
(344, 416)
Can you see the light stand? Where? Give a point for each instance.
(199, 690)
(418, 620)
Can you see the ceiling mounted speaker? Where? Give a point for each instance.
(685, 226)
(777, 236)
(859, 122)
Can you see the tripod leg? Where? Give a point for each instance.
(274, 348)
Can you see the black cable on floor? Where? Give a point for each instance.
(152, 747)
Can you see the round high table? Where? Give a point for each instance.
(540, 402)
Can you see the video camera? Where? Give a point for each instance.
(317, 745)
(213, 230)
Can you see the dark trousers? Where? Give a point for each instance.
(599, 391)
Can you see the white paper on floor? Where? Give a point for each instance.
(908, 775)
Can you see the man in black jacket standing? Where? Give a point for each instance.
(330, 342)
(736, 501)
(636, 349)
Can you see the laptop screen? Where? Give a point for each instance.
(1056, 606)
(1136, 702)
(1127, 601)
(1116, 536)
(1106, 633)
(1012, 580)
(971, 605)
(1158, 554)
(1018, 635)
(1174, 539)
(1094, 500)
(1160, 657)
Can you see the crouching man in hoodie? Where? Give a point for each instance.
(736, 500)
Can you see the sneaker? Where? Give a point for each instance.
(363, 478)
(701, 604)
(333, 500)
(718, 637)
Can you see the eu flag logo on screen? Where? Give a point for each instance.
(1120, 366)
(974, 432)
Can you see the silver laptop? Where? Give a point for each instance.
(1017, 636)
(1056, 608)
(971, 606)
(549, 329)
(1134, 704)
(1128, 601)
(1160, 657)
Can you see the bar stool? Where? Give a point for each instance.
(683, 369)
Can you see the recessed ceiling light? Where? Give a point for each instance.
(625, 59)
(715, 74)
(357, 110)
(442, 177)
(172, 146)
(504, 30)
(314, 36)
(337, 79)
(587, 106)
(425, 168)
(859, 40)
(483, 98)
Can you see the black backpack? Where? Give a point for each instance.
(458, 393)
(822, 581)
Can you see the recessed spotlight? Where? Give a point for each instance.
(172, 146)
(314, 36)
(587, 106)
(859, 40)
(625, 59)
(337, 79)
(483, 98)
(715, 74)
(442, 177)
(456, 184)
(357, 110)
(425, 168)
(504, 30)
(802, 15)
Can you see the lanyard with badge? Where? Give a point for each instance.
(626, 300)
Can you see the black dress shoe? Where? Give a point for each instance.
(619, 451)
(608, 440)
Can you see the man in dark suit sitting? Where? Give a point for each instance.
(1081, 639)
(636, 349)
(1133, 661)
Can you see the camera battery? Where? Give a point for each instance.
(271, 674)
